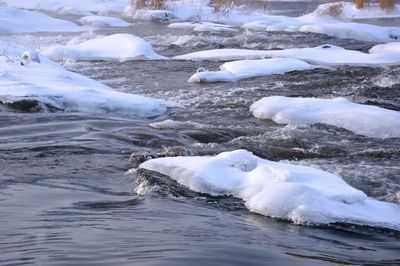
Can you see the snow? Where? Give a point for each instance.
(203, 26)
(362, 119)
(236, 70)
(116, 47)
(393, 47)
(324, 54)
(49, 83)
(150, 15)
(13, 20)
(347, 10)
(102, 21)
(76, 7)
(300, 194)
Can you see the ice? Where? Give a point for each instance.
(50, 83)
(102, 21)
(324, 54)
(13, 20)
(300, 194)
(76, 7)
(393, 47)
(116, 47)
(203, 26)
(362, 119)
(237, 70)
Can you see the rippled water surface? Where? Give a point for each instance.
(66, 197)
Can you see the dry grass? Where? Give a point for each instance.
(334, 10)
(153, 4)
(387, 4)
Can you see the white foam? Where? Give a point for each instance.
(324, 54)
(116, 47)
(13, 20)
(362, 119)
(51, 83)
(237, 70)
(102, 21)
(172, 124)
(300, 194)
(203, 26)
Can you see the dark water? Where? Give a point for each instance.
(66, 197)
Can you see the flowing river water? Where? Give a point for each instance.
(66, 197)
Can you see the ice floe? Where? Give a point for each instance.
(76, 7)
(103, 21)
(116, 47)
(324, 54)
(237, 70)
(300, 194)
(48, 83)
(393, 47)
(362, 119)
(13, 20)
(203, 26)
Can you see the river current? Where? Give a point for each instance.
(67, 196)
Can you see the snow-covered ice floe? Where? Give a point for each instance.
(324, 54)
(48, 83)
(362, 119)
(13, 20)
(103, 21)
(116, 47)
(392, 47)
(237, 70)
(75, 7)
(300, 194)
(203, 26)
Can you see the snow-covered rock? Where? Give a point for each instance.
(324, 54)
(49, 83)
(362, 119)
(102, 21)
(116, 47)
(13, 20)
(237, 70)
(300, 194)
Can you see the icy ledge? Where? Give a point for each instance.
(41, 80)
(116, 47)
(300, 194)
(362, 119)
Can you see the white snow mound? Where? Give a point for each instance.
(362, 119)
(325, 54)
(49, 83)
(392, 47)
(13, 20)
(116, 47)
(102, 21)
(237, 70)
(300, 194)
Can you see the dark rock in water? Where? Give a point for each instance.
(30, 105)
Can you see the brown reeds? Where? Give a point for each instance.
(384, 4)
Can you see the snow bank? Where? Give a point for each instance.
(203, 26)
(50, 83)
(76, 7)
(362, 119)
(347, 10)
(237, 70)
(102, 21)
(393, 47)
(116, 47)
(13, 20)
(324, 54)
(300, 194)
(150, 15)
